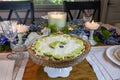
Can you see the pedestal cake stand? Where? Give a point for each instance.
(59, 68)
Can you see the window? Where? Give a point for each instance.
(47, 5)
(52, 2)
(49, 2)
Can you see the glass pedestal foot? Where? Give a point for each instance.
(92, 42)
(57, 72)
(14, 56)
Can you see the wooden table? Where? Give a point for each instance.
(81, 71)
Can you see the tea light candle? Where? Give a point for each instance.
(20, 28)
(92, 25)
(70, 28)
(57, 18)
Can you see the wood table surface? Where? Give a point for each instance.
(80, 71)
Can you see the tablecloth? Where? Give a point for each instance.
(104, 68)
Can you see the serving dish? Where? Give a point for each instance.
(111, 51)
(63, 66)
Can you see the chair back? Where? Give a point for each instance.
(81, 6)
(1, 18)
(15, 7)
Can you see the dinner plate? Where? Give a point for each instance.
(110, 54)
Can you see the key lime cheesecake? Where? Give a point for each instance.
(57, 47)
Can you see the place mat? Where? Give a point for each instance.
(104, 68)
(6, 69)
(19, 65)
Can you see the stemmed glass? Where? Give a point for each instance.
(10, 32)
(87, 16)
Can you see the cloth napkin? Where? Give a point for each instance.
(32, 37)
(12, 69)
(6, 69)
(104, 68)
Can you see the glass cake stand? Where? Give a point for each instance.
(59, 68)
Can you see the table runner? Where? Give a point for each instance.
(103, 67)
(19, 65)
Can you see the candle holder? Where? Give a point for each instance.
(20, 40)
(21, 30)
(91, 38)
(58, 19)
(18, 45)
(92, 26)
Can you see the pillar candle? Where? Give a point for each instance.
(57, 18)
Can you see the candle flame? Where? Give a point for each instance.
(70, 28)
(19, 25)
(92, 21)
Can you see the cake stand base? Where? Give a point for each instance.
(57, 72)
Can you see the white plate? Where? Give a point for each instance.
(109, 53)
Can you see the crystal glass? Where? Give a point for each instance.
(18, 50)
(10, 32)
(87, 16)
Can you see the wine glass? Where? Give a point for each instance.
(8, 30)
(10, 33)
(87, 17)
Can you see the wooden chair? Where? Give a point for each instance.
(81, 6)
(17, 6)
(1, 19)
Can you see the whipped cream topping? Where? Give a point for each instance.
(69, 47)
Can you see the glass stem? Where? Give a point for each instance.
(91, 34)
(20, 39)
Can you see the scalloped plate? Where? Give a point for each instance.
(110, 51)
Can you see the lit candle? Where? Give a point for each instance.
(92, 25)
(57, 18)
(20, 28)
(70, 28)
